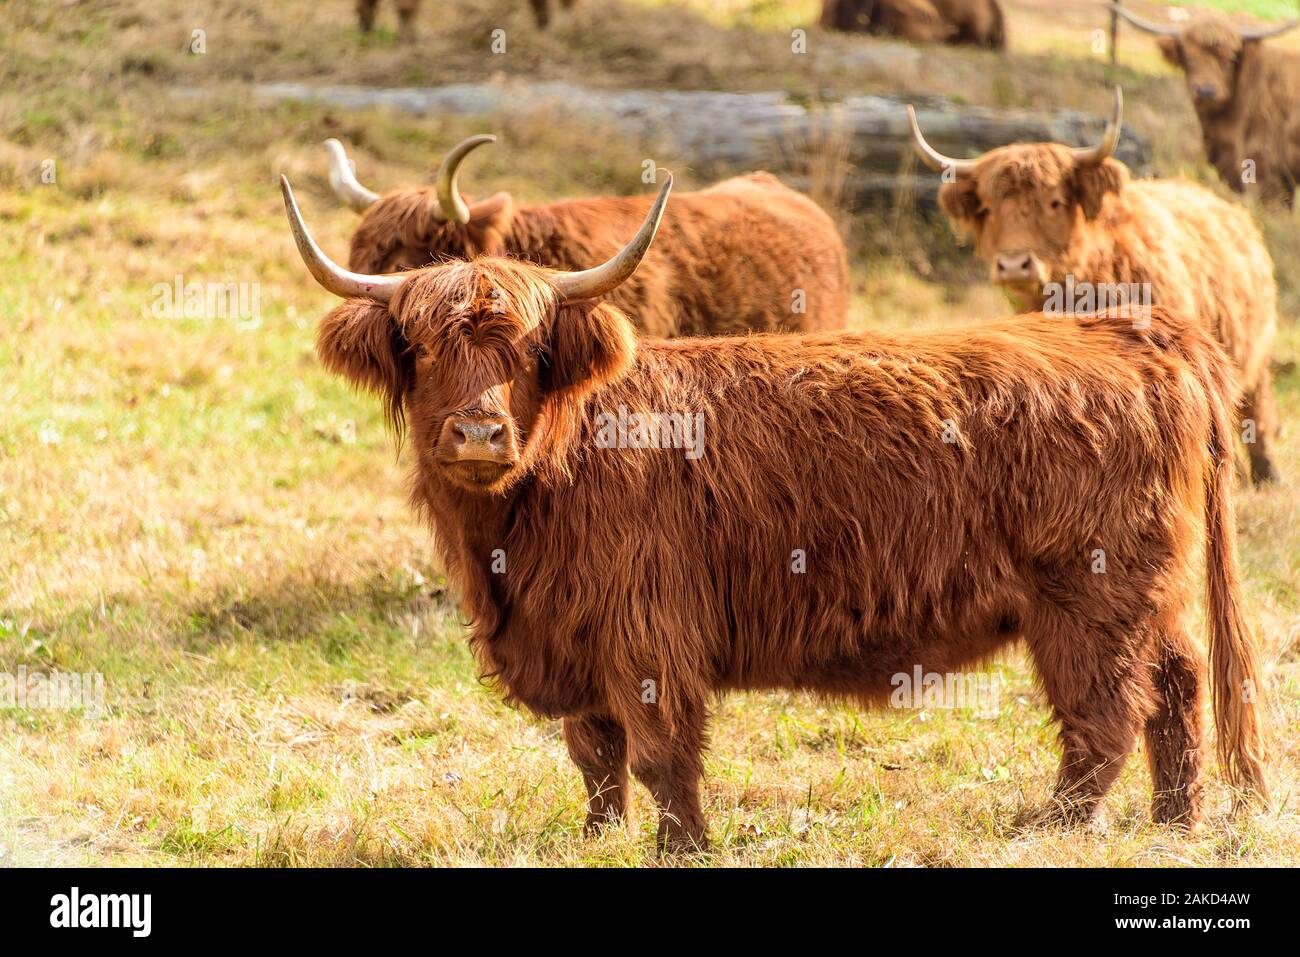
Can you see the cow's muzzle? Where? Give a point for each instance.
(1018, 269)
(478, 439)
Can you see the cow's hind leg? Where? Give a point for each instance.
(1173, 731)
(598, 746)
(1260, 407)
(1100, 694)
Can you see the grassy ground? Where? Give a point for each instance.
(194, 509)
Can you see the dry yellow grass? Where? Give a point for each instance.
(194, 509)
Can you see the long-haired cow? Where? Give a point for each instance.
(786, 267)
(849, 507)
(1053, 221)
(1245, 94)
(973, 22)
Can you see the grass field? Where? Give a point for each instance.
(194, 509)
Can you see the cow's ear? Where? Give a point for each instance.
(960, 202)
(591, 343)
(1170, 49)
(1093, 182)
(361, 341)
(489, 224)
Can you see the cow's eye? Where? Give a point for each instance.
(1058, 203)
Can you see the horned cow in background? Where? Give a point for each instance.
(1246, 95)
(1048, 219)
(747, 254)
(620, 587)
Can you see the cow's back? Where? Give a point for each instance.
(746, 255)
(1205, 258)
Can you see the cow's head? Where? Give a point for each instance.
(1026, 206)
(1207, 50)
(410, 228)
(483, 359)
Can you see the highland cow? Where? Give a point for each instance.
(1046, 217)
(748, 254)
(865, 504)
(972, 22)
(1245, 95)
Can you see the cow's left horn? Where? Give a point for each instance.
(590, 283)
(932, 157)
(344, 181)
(1092, 155)
(341, 282)
(450, 205)
(1263, 33)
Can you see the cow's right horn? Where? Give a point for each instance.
(1150, 26)
(1264, 33)
(590, 283)
(451, 206)
(344, 181)
(336, 279)
(932, 157)
(1092, 155)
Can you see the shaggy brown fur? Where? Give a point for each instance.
(947, 490)
(1245, 93)
(973, 22)
(1203, 257)
(746, 254)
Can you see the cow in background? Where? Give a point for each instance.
(1049, 218)
(1246, 95)
(972, 22)
(747, 254)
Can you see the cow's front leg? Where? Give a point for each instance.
(598, 746)
(671, 763)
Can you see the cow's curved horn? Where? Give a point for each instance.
(1150, 26)
(344, 181)
(1263, 33)
(599, 280)
(1092, 155)
(932, 157)
(335, 278)
(450, 205)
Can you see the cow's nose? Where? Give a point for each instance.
(477, 431)
(1014, 267)
(1204, 91)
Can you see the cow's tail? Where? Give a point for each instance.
(1235, 687)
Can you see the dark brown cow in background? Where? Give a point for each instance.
(747, 254)
(407, 10)
(1246, 95)
(861, 505)
(1049, 219)
(973, 22)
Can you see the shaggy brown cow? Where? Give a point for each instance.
(859, 505)
(1245, 95)
(1051, 220)
(973, 22)
(785, 264)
